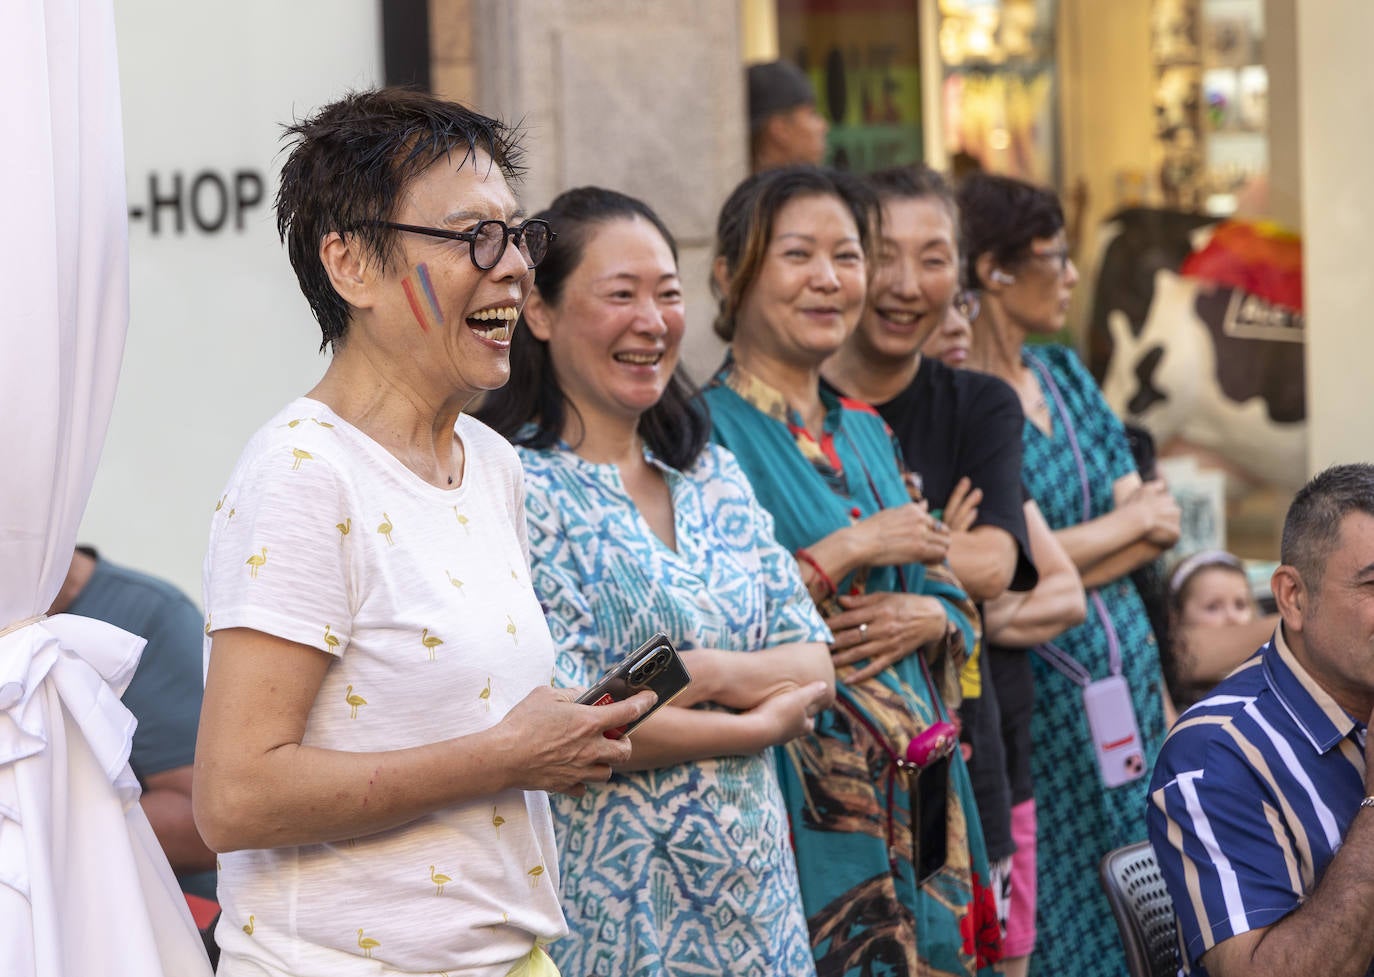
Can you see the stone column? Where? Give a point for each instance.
(642, 96)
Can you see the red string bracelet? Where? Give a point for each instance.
(805, 556)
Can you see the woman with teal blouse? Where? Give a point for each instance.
(680, 865)
(790, 275)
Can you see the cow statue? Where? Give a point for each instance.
(1183, 345)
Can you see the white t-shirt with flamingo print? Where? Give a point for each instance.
(422, 597)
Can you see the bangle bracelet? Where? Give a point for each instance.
(1367, 802)
(805, 556)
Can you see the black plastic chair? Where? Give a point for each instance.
(1143, 910)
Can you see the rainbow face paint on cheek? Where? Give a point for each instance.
(420, 294)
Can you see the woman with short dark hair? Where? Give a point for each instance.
(378, 730)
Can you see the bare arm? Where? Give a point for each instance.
(1143, 524)
(984, 560)
(1205, 656)
(901, 534)
(1057, 603)
(676, 735)
(256, 786)
(166, 802)
(741, 680)
(1331, 933)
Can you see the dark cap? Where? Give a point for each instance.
(776, 87)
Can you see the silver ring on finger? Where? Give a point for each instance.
(863, 631)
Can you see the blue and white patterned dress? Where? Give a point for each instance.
(687, 869)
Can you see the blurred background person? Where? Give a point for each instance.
(790, 276)
(164, 696)
(784, 126)
(1080, 471)
(379, 728)
(960, 435)
(1214, 623)
(638, 524)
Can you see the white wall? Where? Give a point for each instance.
(1335, 89)
(219, 334)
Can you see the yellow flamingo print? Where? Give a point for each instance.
(321, 423)
(232, 510)
(485, 694)
(344, 527)
(462, 519)
(439, 879)
(300, 454)
(514, 576)
(255, 562)
(354, 701)
(430, 641)
(220, 504)
(385, 528)
(510, 628)
(367, 943)
(248, 927)
(208, 619)
(496, 820)
(535, 875)
(331, 641)
(458, 584)
(295, 422)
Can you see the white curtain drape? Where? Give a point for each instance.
(84, 886)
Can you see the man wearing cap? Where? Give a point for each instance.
(784, 126)
(1261, 810)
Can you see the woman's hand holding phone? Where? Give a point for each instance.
(563, 745)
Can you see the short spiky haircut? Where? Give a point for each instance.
(1312, 527)
(350, 163)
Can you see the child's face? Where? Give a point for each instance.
(1218, 596)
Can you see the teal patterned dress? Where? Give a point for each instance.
(684, 870)
(850, 815)
(1080, 819)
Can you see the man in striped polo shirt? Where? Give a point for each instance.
(1259, 809)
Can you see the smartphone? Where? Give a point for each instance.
(653, 665)
(1116, 738)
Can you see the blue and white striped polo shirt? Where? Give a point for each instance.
(1253, 791)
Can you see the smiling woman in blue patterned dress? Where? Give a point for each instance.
(637, 525)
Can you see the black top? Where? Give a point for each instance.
(950, 424)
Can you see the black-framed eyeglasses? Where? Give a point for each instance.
(1059, 256)
(487, 241)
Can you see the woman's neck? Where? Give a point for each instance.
(860, 374)
(997, 344)
(415, 425)
(799, 384)
(602, 439)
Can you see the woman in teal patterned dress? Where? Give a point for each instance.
(680, 865)
(790, 273)
(1078, 467)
